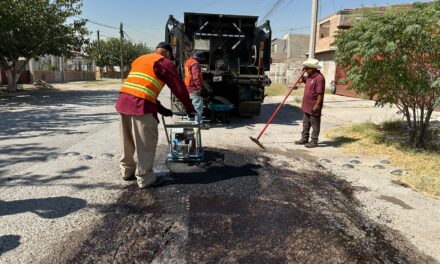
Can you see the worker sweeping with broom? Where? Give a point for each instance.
(313, 101)
(312, 104)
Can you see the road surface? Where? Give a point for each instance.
(63, 200)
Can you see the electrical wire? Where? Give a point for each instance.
(125, 33)
(96, 23)
(298, 28)
(207, 5)
(105, 36)
(272, 10)
(137, 27)
(334, 6)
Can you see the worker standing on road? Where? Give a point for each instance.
(194, 82)
(138, 107)
(313, 101)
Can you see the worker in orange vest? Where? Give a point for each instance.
(138, 106)
(194, 82)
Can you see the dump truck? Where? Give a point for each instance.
(236, 55)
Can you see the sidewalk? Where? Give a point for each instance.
(339, 110)
(384, 200)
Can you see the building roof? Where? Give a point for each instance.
(360, 10)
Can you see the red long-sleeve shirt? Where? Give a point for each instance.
(165, 70)
(195, 84)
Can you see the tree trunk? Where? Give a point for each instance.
(414, 127)
(13, 76)
(12, 84)
(421, 135)
(409, 123)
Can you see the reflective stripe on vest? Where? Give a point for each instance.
(188, 75)
(142, 82)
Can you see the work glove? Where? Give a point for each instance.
(167, 112)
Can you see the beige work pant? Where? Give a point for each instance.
(139, 134)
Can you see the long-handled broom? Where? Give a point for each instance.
(257, 140)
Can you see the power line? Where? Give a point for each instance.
(207, 5)
(298, 28)
(96, 23)
(105, 36)
(293, 29)
(272, 10)
(137, 27)
(125, 33)
(334, 6)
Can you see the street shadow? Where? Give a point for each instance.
(52, 112)
(49, 208)
(337, 142)
(59, 179)
(8, 243)
(32, 178)
(54, 97)
(24, 153)
(289, 115)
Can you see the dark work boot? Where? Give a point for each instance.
(301, 142)
(312, 144)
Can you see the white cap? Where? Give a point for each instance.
(312, 63)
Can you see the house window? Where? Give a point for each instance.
(324, 29)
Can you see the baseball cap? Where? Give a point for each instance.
(198, 54)
(166, 46)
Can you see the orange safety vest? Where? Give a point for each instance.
(188, 75)
(142, 82)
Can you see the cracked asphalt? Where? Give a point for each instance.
(241, 205)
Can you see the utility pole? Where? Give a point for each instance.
(121, 31)
(312, 45)
(99, 53)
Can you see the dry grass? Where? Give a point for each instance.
(277, 89)
(422, 166)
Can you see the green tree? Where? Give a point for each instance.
(108, 52)
(32, 28)
(396, 56)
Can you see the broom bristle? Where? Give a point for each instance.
(257, 142)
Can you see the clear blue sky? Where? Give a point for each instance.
(144, 20)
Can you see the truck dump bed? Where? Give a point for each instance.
(236, 53)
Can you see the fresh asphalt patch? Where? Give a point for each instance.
(238, 207)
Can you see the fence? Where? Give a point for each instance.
(58, 69)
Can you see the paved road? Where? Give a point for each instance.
(241, 205)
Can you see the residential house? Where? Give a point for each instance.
(288, 54)
(325, 51)
(53, 69)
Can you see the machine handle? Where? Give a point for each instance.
(166, 130)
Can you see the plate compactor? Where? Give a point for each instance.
(184, 141)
